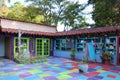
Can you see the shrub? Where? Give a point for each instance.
(31, 59)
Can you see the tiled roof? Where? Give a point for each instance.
(15, 31)
(68, 33)
(27, 22)
(89, 31)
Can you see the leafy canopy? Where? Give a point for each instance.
(106, 12)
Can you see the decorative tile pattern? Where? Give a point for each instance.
(56, 69)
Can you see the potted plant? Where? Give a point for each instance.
(106, 57)
(73, 54)
(83, 66)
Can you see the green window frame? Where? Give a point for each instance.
(42, 46)
(46, 46)
(39, 45)
(24, 42)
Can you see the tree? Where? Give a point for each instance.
(33, 14)
(3, 8)
(72, 16)
(64, 11)
(2, 2)
(106, 12)
(46, 8)
(17, 11)
(4, 11)
(60, 5)
(25, 13)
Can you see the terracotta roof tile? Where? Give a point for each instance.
(15, 31)
(67, 33)
(26, 22)
(89, 31)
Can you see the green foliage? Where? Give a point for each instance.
(64, 11)
(20, 12)
(30, 60)
(4, 10)
(33, 14)
(49, 12)
(107, 56)
(72, 18)
(84, 59)
(17, 11)
(106, 12)
(73, 53)
(46, 8)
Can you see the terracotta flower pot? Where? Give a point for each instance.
(107, 62)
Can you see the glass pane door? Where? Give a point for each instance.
(42, 46)
(24, 45)
(39, 46)
(46, 46)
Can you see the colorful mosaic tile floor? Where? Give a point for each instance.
(56, 69)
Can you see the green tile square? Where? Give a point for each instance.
(66, 72)
(44, 75)
(34, 71)
(63, 77)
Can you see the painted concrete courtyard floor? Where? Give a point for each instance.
(56, 69)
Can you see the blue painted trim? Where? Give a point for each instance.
(60, 53)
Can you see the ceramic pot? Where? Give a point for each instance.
(83, 67)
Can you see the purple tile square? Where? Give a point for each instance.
(9, 70)
(56, 71)
(23, 75)
(26, 68)
(92, 78)
(50, 78)
(99, 77)
(95, 78)
(74, 74)
(73, 79)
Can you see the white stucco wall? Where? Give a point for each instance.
(5, 23)
(2, 47)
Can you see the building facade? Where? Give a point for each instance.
(35, 38)
(38, 39)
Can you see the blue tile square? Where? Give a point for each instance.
(11, 77)
(91, 69)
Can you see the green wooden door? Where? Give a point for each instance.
(39, 46)
(46, 47)
(42, 46)
(24, 45)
